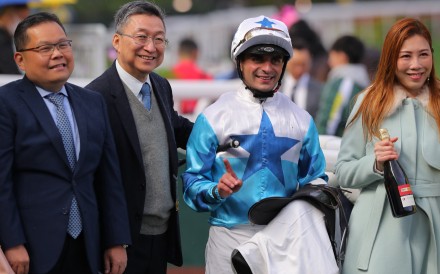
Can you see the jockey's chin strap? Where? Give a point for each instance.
(263, 94)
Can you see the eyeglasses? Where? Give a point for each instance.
(142, 40)
(261, 31)
(48, 49)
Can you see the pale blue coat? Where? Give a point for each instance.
(379, 243)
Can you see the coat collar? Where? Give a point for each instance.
(400, 94)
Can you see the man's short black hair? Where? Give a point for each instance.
(188, 45)
(352, 46)
(20, 35)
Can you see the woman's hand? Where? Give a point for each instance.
(384, 151)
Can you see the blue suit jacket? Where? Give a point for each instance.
(37, 184)
(178, 129)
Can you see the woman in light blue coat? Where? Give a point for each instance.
(405, 99)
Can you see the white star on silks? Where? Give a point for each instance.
(266, 23)
(265, 149)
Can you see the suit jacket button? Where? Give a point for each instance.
(142, 186)
(65, 211)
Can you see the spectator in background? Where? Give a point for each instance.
(186, 68)
(371, 60)
(11, 13)
(347, 77)
(298, 84)
(302, 30)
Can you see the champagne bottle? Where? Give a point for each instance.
(397, 186)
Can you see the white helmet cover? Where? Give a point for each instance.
(260, 30)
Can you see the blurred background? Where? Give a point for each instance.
(211, 24)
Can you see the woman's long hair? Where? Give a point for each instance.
(379, 97)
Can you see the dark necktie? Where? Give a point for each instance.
(75, 226)
(146, 95)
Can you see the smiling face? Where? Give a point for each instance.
(261, 71)
(414, 64)
(136, 59)
(49, 72)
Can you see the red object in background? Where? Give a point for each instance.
(188, 106)
(188, 70)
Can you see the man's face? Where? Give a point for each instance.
(261, 71)
(140, 60)
(49, 72)
(300, 63)
(337, 58)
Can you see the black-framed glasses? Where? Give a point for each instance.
(48, 49)
(142, 40)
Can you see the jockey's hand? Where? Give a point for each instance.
(229, 183)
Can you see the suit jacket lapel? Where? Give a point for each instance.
(30, 95)
(122, 105)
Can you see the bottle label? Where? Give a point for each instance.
(408, 200)
(406, 195)
(405, 190)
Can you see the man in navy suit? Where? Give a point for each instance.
(147, 131)
(61, 196)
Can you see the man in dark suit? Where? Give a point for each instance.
(61, 196)
(147, 131)
(298, 84)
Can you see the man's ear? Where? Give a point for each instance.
(19, 60)
(116, 40)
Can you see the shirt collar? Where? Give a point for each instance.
(44, 92)
(132, 83)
